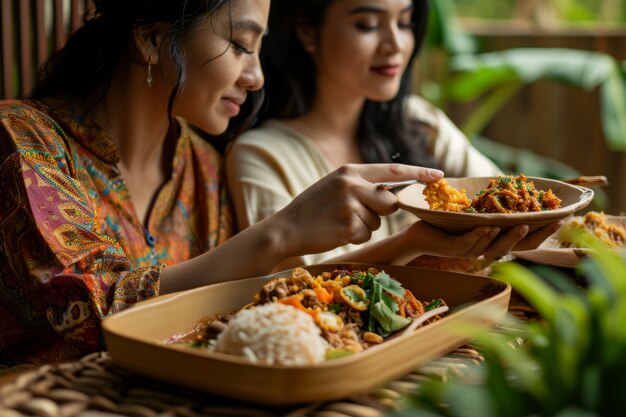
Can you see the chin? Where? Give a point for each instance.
(382, 97)
(214, 128)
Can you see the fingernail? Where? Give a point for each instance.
(557, 225)
(522, 230)
(434, 173)
(494, 232)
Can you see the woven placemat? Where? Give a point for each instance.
(95, 387)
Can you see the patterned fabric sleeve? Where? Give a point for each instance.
(59, 276)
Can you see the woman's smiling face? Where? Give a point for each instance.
(222, 62)
(363, 47)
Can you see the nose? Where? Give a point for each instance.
(394, 40)
(252, 75)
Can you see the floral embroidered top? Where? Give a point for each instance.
(72, 249)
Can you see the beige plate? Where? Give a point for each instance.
(135, 339)
(573, 198)
(551, 253)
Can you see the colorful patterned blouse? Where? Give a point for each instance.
(72, 249)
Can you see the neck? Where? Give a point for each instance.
(332, 124)
(332, 116)
(135, 116)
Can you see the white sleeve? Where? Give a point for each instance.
(455, 154)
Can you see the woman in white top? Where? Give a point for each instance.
(337, 82)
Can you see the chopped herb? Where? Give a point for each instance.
(436, 303)
(356, 277)
(335, 307)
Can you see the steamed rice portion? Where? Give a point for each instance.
(273, 334)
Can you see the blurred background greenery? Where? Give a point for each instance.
(539, 86)
(562, 12)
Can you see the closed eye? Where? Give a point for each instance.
(241, 49)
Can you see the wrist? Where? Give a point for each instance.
(280, 239)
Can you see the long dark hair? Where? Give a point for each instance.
(384, 132)
(84, 67)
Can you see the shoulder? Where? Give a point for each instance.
(25, 112)
(272, 140)
(28, 126)
(270, 134)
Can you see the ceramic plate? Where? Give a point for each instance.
(135, 339)
(551, 253)
(573, 198)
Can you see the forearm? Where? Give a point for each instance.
(397, 249)
(254, 251)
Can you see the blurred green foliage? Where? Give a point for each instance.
(573, 362)
(565, 12)
(488, 80)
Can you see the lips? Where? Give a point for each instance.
(233, 104)
(387, 70)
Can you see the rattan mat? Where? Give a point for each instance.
(95, 387)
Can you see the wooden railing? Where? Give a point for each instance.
(31, 30)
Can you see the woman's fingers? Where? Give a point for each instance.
(518, 239)
(376, 198)
(483, 238)
(396, 172)
(534, 239)
(505, 242)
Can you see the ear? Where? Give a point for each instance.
(307, 35)
(148, 40)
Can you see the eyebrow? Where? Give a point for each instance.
(249, 25)
(373, 9)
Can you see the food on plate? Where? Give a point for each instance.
(614, 235)
(442, 196)
(504, 194)
(273, 333)
(301, 319)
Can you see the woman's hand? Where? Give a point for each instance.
(344, 207)
(486, 241)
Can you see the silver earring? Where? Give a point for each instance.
(149, 79)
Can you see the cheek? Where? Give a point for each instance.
(410, 45)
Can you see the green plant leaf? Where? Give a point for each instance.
(444, 32)
(541, 296)
(613, 97)
(582, 69)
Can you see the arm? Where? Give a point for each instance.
(343, 207)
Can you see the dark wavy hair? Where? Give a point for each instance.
(384, 133)
(84, 67)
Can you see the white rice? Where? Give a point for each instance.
(273, 334)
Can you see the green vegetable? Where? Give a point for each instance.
(436, 303)
(335, 307)
(387, 319)
(382, 308)
(353, 295)
(337, 353)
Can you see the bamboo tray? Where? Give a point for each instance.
(135, 339)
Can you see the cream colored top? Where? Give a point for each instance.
(270, 165)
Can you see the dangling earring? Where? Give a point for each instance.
(149, 80)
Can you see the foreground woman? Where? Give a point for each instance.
(108, 196)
